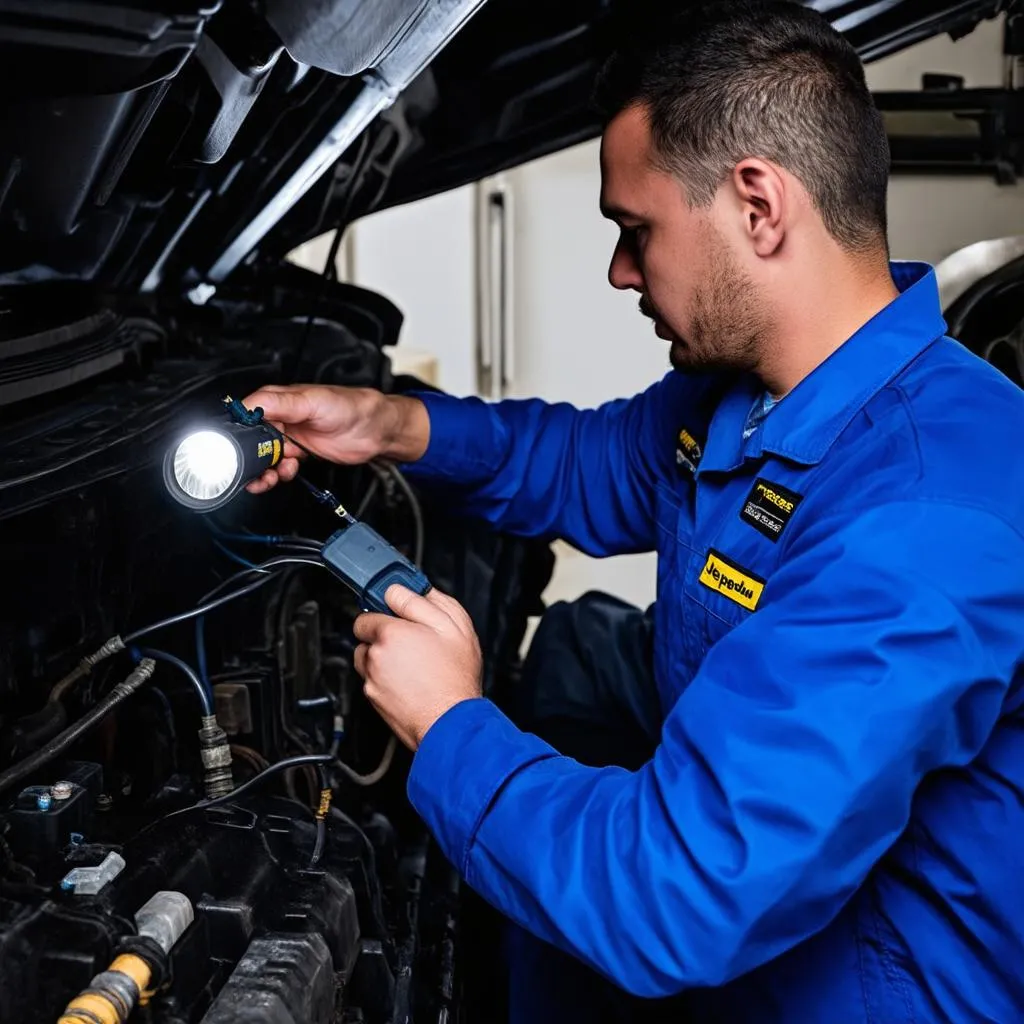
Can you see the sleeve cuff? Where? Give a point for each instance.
(466, 440)
(465, 759)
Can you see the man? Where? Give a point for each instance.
(828, 829)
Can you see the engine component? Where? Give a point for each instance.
(38, 828)
(245, 871)
(216, 755)
(89, 881)
(164, 918)
(112, 995)
(234, 708)
(138, 677)
(282, 979)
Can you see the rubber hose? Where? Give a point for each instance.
(32, 731)
(121, 692)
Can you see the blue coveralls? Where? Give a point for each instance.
(832, 827)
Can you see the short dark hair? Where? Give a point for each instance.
(759, 78)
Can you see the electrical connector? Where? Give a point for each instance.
(216, 755)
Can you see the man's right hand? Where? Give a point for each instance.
(343, 425)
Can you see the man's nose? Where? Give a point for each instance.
(623, 272)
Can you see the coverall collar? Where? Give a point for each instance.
(804, 425)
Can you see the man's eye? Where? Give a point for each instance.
(636, 234)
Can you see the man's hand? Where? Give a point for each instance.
(420, 664)
(344, 425)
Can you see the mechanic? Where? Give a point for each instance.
(794, 791)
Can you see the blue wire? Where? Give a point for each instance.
(201, 663)
(138, 653)
(248, 537)
(255, 538)
(204, 674)
(234, 558)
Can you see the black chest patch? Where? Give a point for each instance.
(768, 508)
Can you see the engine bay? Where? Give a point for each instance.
(316, 895)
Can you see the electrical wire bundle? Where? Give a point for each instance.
(290, 551)
(144, 670)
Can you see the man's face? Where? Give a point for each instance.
(691, 283)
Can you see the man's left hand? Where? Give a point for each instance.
(418, 664)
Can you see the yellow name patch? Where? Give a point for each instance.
(731, 581)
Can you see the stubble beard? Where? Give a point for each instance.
(727, 327)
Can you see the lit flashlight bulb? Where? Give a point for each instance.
(205, 468)
(205, 465)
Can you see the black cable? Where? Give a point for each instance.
(202, 609)
(256, 780)
(266, 540)
(185, 669)
(321, 839)
(307, 549)
(209, 605)
(368, 497)
(414, 505)
(121, 692)
(321, 815)
(261, 567)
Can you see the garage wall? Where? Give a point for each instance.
(931, 217)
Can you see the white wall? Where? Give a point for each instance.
(421, 257)
(931, 217)
(576, 338)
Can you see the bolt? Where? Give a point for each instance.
(61, 790)
(104, 802)
(43, 802)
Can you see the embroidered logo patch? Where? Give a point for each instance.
(768, 508)
(688, 451)
(732, 581)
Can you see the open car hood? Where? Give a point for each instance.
(168, 145)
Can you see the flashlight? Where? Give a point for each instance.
(206, 467)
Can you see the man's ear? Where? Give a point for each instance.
(764, 201)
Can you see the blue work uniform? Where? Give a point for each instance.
(832, 827)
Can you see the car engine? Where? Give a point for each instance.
(306, 895)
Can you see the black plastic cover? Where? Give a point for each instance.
(39, 834)
(282, 979)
